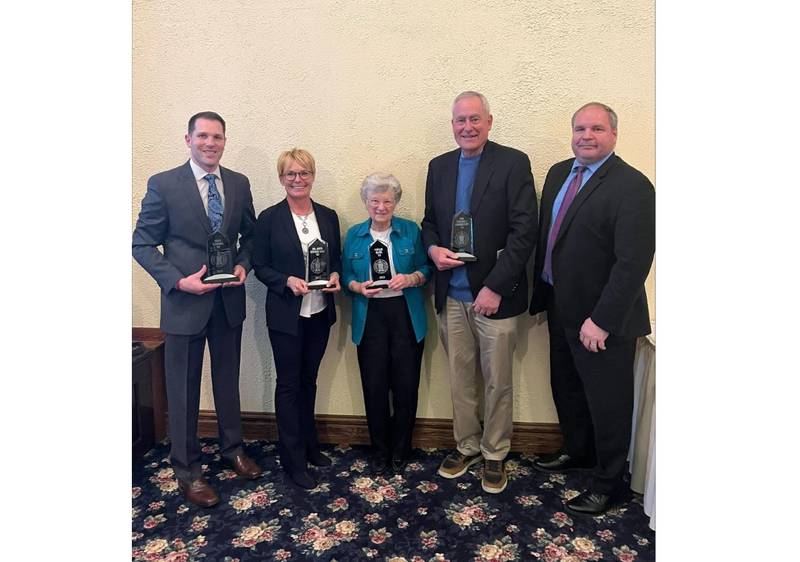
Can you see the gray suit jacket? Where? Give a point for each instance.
(173, 217)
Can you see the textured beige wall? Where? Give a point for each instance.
(367, 86)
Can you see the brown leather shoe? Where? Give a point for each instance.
(245, 467)
(199, 492)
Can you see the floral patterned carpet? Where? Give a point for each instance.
(415, 517)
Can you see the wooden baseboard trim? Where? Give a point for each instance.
(148, 334)
(428, 432)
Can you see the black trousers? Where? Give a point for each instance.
(183, 365)
(389, 358)
(593, 394)
(297, 360)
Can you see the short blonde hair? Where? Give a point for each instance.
(302, 157)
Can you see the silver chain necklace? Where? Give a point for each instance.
(303, 219)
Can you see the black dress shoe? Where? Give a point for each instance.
(399, 465)
(304, 480)
(589, 503)
(378, 465)
(559, 462)
(318, 459)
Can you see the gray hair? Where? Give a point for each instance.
(471, 94)
(612, 116)
(380, 182)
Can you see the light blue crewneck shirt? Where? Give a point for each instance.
(467, 168)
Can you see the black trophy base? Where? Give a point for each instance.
(220, 278)
(317, 285)
(379, 285)
(465, 257)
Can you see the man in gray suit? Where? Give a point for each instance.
(181, 209)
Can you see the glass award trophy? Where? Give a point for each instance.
(379, 270)
(461, 241)
(318, 271)
(220, 260)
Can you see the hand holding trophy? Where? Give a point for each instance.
(220, 260)
(379, 271)
(462, 238)
(318, 265)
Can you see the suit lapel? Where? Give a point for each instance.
(586, 191)
(549, 197)
(449, 185)
(288, 226)
(482, 176)
(189, 185)
(231, 198)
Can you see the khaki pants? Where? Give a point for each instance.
(468, 338)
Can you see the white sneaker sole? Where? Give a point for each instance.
(449, 476)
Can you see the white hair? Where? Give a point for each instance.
(472, 94)
(380, 182)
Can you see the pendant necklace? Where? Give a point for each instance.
(305, 224)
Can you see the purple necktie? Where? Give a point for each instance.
(572, 190)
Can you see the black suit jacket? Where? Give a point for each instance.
(603, 251)
(277, 254)
(503, 208)
(174, 218)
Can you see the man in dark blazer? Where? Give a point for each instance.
(596, 245)
(180, 210)
(478, 302)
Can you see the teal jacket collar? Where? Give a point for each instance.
(363, 228)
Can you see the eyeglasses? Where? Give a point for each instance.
(378, 202)
(304, 175)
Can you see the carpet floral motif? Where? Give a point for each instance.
(471, 515)
(354, 515)
(317, 537)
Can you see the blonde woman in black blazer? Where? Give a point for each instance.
(298, 318)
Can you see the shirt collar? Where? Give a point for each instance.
(592, 168)
(200, 173)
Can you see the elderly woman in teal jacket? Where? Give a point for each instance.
(389, 320)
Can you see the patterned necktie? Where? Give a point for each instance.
(215, 206)
(572, 190)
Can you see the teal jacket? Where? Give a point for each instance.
(408, 256)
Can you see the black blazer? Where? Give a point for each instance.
(603, 251)
(503, 208)
(173, 217)
(277, 254)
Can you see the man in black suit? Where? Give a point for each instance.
(596, 245)
(478, 302)
(181, 208)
